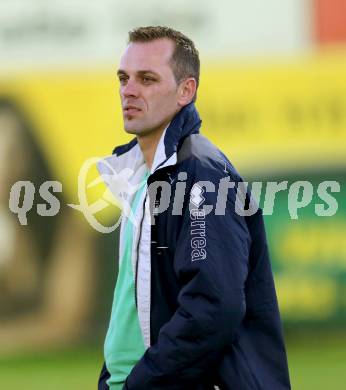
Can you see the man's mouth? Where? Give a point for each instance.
(130, 110)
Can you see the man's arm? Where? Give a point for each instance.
(211, 303)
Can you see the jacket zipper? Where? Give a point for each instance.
(137, 249)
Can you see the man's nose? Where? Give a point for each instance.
(130, 89)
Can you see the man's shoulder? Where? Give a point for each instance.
(198, 153)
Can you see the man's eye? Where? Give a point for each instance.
(122, 80)
(147, 79)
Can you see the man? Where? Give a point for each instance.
(194, 304)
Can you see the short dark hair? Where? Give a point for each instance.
(185, 59)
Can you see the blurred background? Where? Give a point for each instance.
(272, 96)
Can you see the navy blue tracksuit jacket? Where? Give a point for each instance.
(214, 317)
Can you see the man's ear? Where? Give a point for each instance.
(187, 90)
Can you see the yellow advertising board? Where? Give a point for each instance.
(265, 116)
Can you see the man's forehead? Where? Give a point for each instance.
(147, 55)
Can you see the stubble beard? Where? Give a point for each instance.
(141, 129)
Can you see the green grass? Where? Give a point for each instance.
(317, 364)
(62, 370)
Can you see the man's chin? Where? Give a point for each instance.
(133, 130)
(134, 126)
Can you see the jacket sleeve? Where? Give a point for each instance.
(211, 263)
(104, 375)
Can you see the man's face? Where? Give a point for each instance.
(148, 90)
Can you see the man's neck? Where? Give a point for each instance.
(148, 144)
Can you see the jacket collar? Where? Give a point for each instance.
(125, 168)
(129, 156)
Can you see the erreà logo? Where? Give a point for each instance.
(196, 197)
